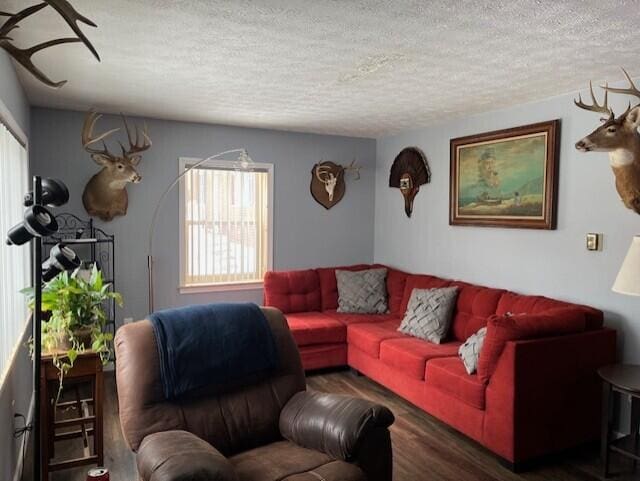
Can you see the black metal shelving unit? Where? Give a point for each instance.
(92, 245)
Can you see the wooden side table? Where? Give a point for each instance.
(87, 369)
(623, 379)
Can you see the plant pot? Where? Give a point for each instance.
(83, 336)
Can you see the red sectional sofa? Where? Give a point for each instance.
(542, 397)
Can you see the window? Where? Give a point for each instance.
(226, 225)
(14, 260)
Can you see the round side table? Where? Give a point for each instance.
(623, 379)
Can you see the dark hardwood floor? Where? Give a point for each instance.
(424, 448)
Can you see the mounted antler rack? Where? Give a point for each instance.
(105, 194)
(327, 181)
(23, 56)
(355, 168)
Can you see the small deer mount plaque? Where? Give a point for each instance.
(328, 184)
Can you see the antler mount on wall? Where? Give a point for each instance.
(23, 55)
(105, 195)
(327, 182)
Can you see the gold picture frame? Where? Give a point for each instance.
(506, 178)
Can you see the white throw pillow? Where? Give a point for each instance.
(469, 352)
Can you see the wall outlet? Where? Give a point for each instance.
(127, 320)
(594, 242)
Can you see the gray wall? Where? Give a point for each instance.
(305, 234)
(15, 391)
(551, 263)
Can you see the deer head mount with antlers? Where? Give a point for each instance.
(23, 56)
(105, 195)
(620, 137)
(327, 182)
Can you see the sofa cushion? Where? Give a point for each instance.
(475, 305)
(429, 313)
(315, 328)
(348, 318)
(502, 329)
(362, 292)
(409, 354)
(292, 291)
(319, 356)
(367, 337)
(396, 282)
(449, 375)
(511, 302)
(286, 461)
(329, 284)
(419, 282)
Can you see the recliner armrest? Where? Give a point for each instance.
(334, 424)
(181, 456)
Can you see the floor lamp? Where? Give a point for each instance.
(243, 162)
(38, 222)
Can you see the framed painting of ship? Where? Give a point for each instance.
(506, 178)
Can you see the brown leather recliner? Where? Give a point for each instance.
(261, 429)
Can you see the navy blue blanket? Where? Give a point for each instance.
(211, 344)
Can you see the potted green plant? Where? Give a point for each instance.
(76, 317)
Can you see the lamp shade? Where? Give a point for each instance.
(628, 280)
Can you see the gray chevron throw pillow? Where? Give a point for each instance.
(363, 292)
(429, 313)
(469, 352)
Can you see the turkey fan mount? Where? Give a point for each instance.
(409, 171)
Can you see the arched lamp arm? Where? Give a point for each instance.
(154, 218)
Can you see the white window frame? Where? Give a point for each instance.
(9, 122)
(186, 162)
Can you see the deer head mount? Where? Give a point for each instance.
(105, 195)
(23, 56)
(327, 182)
(409, 171)
(620, 137)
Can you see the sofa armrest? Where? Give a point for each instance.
(181, 456)
(528, 364)
(545, 393)
(334, 424)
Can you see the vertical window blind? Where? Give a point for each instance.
(226, 225)
(14, 260)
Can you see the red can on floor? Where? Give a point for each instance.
(98, 474)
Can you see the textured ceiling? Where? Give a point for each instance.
(364, 68)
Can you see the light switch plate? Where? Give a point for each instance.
(594, 242)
